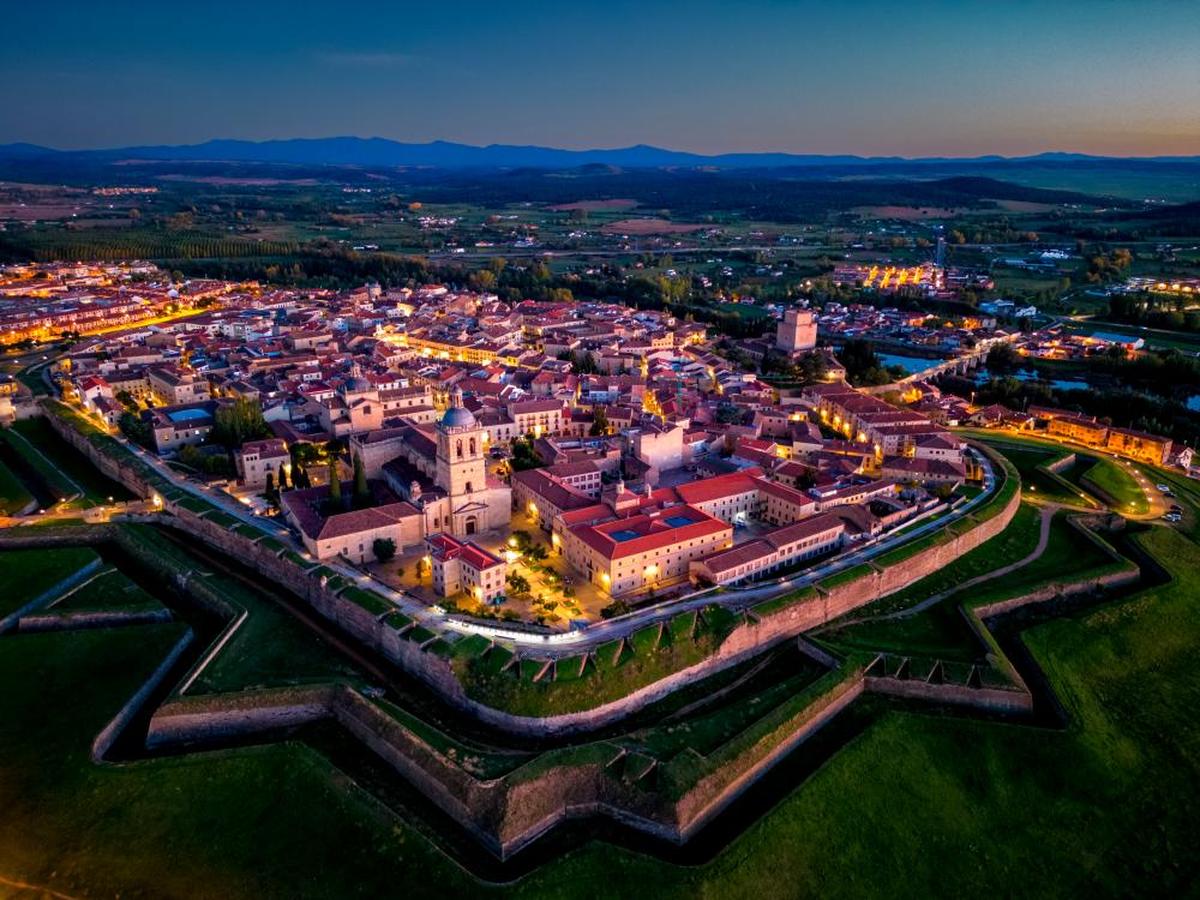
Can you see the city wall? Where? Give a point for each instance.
(510, 812)
(370, 628)
(754, 636)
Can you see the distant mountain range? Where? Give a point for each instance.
(354, 151)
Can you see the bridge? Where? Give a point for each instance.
(958, 365)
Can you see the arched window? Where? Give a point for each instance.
(472, 446)
(468, 487)
(458, 444)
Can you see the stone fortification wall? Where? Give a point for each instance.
(367, 623)
(510, 812)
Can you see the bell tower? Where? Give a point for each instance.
(461, 464)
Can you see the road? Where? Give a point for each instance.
(1047, 513)
(1157, 504)
(593, 635)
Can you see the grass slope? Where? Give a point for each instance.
(273, 821)
(108, 591)
(25, 574)
(13, 495)
(941, 630)
(63, 468)
(1111, 479)
(922, 806)
(918, 805)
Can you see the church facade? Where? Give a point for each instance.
(441, 470)
(433, 479)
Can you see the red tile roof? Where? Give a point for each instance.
(446, 547)
(722, 486)
(648, 532)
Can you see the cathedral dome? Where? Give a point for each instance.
(458, 417)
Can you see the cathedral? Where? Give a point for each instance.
(441, 471)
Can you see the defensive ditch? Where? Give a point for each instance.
(748, 807)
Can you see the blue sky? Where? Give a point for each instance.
(915, 78)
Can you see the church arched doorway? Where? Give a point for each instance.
(470, 525)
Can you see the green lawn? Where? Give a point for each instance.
(916, 806)
(707, 732)
(13, 495)
(942, 630)
(932, 806)
(640, 663)
(1019, 539)
(1090, 472)
(63, 468)
(1070, 555)
(109, 590)
(25, 574)
(1039, 482)
(271, 648)
(1112, 478)
(271, 821)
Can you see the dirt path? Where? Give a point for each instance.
(34, 890)
(1048, 511)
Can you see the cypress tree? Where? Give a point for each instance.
(335, 483)
(362, 492)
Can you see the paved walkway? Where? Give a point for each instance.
(568, 643)
(1048, 510)
(1155, 502)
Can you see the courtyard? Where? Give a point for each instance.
(557, 597)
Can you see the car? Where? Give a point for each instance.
(1163, 487)
(1175, 507)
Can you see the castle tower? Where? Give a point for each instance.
(797, 332)
(461, 465)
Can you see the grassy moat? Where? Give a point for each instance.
(947, 794)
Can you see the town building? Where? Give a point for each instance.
(463, 567)
(796, 332)
(258, 459)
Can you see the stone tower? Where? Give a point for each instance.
(797, 332)
(461, 464)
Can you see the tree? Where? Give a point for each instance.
(616, 608)
(335, 484)
(362, 491)
(237, 423)
(383, 548)
(524, 457)
(270, 491)
(1003, 358)
(518, 584)
(484, 280)
(136, 430)
(599, 422)
(283, 477)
